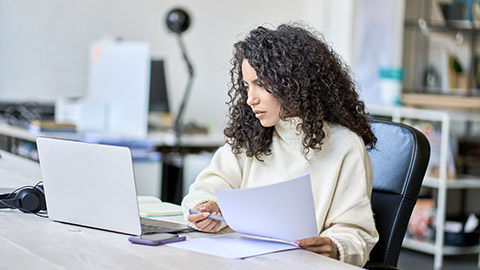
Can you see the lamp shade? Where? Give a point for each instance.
(178, 20)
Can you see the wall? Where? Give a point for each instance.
(378, 43)
(336, 22)
(44, 44)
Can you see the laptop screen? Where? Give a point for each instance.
(89, 184)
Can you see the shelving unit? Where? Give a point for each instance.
(423, 22)
(436, 46)
(465, 103)
(441, 184)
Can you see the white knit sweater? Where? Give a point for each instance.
(341, 174)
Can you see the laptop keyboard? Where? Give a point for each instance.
(150, 226)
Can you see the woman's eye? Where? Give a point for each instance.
(264, 87)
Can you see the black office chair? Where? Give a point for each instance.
(399, 160)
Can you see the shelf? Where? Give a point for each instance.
(445, 26)
(461, 182)
(429, 248)
(459, 92)
(465, 103)
(422, 114)
(429, 41)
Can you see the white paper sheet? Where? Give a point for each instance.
(284, 211)
(232, 245)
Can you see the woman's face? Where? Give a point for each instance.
(265, 106)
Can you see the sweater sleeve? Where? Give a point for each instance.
(350, 222)
(223, 172)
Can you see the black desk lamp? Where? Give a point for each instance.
(178, 22)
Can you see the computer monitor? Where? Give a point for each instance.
(158, 87)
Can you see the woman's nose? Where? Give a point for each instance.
(252, 98)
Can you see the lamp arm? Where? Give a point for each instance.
(186, 94)
(185, 55)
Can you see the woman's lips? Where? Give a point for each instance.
(259, 114)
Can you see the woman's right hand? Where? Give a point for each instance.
(201, 220)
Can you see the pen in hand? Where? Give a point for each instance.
(191, 211)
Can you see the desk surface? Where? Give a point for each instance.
(159, 138)
(28, 241)
(16, 171)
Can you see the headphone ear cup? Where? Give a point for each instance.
(30, 200)
(41, 195)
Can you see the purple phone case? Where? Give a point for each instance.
(138, 240)
(173, 240)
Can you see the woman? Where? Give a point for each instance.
(294, 109)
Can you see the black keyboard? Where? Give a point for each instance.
(159, 226)
(148, 228)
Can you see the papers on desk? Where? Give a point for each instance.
(284, 210)
(150, 206)
(279, 214)
(232, 245)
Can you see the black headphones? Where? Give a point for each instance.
(28, 199)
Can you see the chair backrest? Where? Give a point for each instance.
(400, 159)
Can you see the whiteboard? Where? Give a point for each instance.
(119, 75)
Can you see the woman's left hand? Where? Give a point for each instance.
(322, 245)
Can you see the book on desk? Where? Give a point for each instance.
(37, 126)
(150, 206)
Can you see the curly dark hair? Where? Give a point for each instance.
(307, 78)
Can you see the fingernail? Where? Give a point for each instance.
(297, 242)
(206, 214)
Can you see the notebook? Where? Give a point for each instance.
(93, 185)
(150, 206)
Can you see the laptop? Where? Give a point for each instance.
(93, 185)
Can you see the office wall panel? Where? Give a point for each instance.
(44, 44)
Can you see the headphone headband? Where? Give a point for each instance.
(27, 199)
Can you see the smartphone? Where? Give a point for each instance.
(156, 239)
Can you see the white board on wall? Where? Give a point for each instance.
(119, 75)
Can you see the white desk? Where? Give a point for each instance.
(163, 141)
(16, 171)
(159, 138)
(31, 242)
